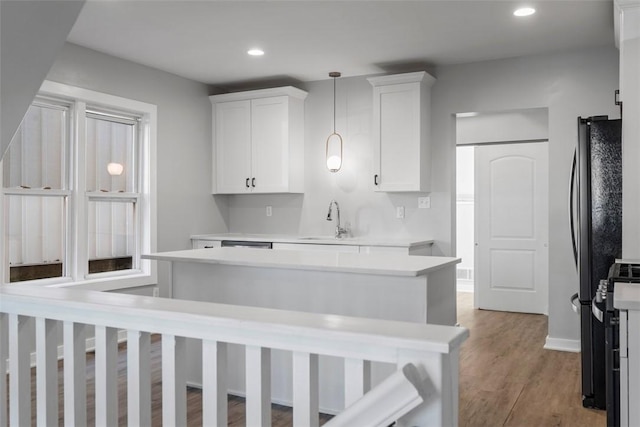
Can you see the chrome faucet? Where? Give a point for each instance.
(340, 232)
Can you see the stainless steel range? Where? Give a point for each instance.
(627, 272)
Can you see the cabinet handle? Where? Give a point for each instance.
(253, 182)
(375, 179)
(246, 183)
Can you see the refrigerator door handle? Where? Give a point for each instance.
(572, 189)
(575, 304)
(597, 313)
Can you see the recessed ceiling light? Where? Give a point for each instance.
(524, 11)
(255, 52)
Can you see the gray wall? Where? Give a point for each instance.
(569, 84)
(31, 35)
(572, 84)
(185, 204)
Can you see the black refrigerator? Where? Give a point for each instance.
(596, 229)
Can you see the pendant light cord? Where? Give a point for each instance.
(334, 105)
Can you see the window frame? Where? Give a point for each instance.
(76, 247)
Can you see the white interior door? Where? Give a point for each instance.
(511, 227)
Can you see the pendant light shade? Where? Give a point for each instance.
(334, 141)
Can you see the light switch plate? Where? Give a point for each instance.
(269, 211)
(424, 202)
(400, 212)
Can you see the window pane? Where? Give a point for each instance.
(35, 237)
(110, 156)
(111, 235)
(36, 155)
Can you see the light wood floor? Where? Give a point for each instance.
(506, 378)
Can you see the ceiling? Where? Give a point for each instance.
(207, 41)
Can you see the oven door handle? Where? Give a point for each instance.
(575, 304)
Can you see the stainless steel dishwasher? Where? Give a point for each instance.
(246, 244)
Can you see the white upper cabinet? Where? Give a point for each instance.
(258, 141)
(401, 128)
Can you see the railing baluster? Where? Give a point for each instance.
(214, 383)
(357, 379)
(174, 383)
(258, 379)
(19, 370)
(4, 354)
(305, 389)
(75, 383)
(47, 371)
(138, 379)
(106, 395)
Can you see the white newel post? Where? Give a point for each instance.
(75, 383)
(106, 376)
(19, 370)
(138, 379)
(47, 371)
(214, 383)
(258, 377)
(305, 389)
(174, 381)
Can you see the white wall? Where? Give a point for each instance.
(571, 84)
(185, 204)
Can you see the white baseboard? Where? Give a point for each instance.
(562, 344)
(91, 345)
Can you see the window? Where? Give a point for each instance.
(78, 201)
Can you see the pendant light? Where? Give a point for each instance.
(334, 142)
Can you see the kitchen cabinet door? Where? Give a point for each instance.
(259, 141)
(401, 126)
(270, 145)
(233, 147)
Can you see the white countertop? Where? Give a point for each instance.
(379, 264)
(320, 240)
(626, 296)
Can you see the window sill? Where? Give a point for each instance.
(100, 284)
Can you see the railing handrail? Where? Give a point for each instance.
(333, 335)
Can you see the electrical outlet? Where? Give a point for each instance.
(424, 202)
(156, 291)
(269, 211)
(400, 212)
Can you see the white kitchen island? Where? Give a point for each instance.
(380, 285)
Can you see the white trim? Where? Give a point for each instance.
(76, 249)
(261, 93)
(562, 344)
(394, 79)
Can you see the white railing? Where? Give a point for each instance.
(433, 350)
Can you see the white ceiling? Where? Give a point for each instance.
(207, 40)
